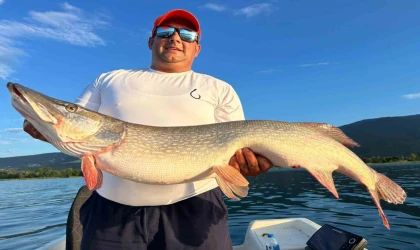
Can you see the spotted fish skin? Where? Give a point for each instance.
(172, 155)
(192, 150)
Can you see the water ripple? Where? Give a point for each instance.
(34, 212)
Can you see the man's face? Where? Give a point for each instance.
(173, 49)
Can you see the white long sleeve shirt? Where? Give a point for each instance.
(150, 97)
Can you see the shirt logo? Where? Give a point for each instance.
(195, 96)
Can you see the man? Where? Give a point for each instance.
(129, 215)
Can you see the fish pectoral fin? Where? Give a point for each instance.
(93, 175)
(227, 189)
(325, 178)
(231, 181)
(231, 175)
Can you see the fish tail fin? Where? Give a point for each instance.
(387, 190)
(93, 175)
(231, 181)
(325, 178)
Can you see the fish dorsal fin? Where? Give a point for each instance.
(331, 131)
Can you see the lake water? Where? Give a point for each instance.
(34, 212)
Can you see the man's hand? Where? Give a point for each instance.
(32, 131)
(248, 163)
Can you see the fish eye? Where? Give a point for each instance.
(71, 108)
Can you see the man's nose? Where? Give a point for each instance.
(175, 37)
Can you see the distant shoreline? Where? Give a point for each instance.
(397, 162)
(379, 164)
(42, 173)
(275, 167)
(39, 178)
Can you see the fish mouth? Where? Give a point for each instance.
(30, 109)
(16, 93)
(18, 100)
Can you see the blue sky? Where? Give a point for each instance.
(323, 61)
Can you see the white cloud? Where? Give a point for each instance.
(8, 153)
(69, 7)
(8, 55)
(17, 139)
(412, 96)
(314, 64)
(215, 7)
(55, 19)
(255, 10)
(266, 71)
(71, 25)
(18, 119)
(11, 150)
(8, 49)
(5, 71)
(63, 30)
(7, 141)
(12, 130)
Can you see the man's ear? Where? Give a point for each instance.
(197, 50)
(150, 42)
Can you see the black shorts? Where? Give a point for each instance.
(200, 222)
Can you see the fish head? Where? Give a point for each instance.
(58, 121)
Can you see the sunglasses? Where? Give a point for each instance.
(186, 35)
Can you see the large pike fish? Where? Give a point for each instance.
(170, 155)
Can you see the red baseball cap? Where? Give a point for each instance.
(178, 13)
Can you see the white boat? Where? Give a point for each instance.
(291, 233)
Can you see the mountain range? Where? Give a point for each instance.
(385, 136)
